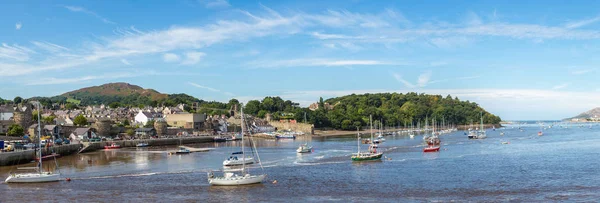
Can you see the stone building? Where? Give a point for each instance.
(22, 115)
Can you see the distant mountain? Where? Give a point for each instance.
(588, 114)
(115, 90)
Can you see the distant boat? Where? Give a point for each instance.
(304, 148)
(219, 139)
(501, 133)
(372, 154)
(112, 146)
(234, 160)
(285, 136)
(431, 148)
(183, 150)
(141, 144)
(540, 133)
(44, 158)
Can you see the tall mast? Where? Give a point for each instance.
(243, 152)
(358, 140)
(371, 121)
(39, 139)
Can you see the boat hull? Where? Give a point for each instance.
(367, 158)
(431, 149)
(238, 162)
(236, 180)
(33, 178)
(304, 150)
(285, 137)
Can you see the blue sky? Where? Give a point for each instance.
(527, 60)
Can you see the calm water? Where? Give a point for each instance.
(562, 165)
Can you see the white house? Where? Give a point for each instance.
(82, 134)
(143, 117)
(5, 114)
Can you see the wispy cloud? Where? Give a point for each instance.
(192, 58)
(422, 80)
(15, 52)
(581, 23)
(309, 62)
(50, 47)
(78, 79)
(215, 3)
(170, 57)
(124, 61)
(581, 72)
(203, 87)
(455, 79)
(561, 86)
(399, 78)
(18, 25)
(84, 10)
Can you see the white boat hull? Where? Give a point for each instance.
(240, 161)
(236, 180)
(32, 178)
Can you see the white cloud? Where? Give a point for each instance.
(83, 10)
(170, 57)
(561, 86)
(399, 78)
(424, 79)
(192, 58)
(78, 79)
(216, 3)
(581, 72)
(124, 61)
(309, 62)
(581, 23)
(15, 52)
(473, 19)
(203, 87)
(18, 25)
(47, 46)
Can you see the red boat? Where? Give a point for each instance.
(431, 149)
(112, 146)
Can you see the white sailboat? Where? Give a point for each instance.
(244, 178)
(481, 134)
(40, 175)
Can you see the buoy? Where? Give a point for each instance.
(68, 179)
(275, 182)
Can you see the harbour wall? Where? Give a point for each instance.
(25, 156)
(93, 146)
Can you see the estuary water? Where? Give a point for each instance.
(561, 165)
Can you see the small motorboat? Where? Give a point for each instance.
(505, 142)
(219, 139)
(285, 136)
(540, 133)
(233, 160)
(112, 146)
(431, 148)
(304, 148)
(142, 144)
(182, 150)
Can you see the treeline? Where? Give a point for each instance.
(346, 112)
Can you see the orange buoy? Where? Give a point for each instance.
(275, 182)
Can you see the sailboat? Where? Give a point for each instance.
(433, 141)
(245, 178)
(481, 134)
(371, 154)
(40, 175)
(411, 133)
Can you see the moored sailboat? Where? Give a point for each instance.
(372, 154)
(244, 178)
(39, 175)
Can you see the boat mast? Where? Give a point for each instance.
(39, 139)
(358, 140)
(371, 121)
(243, 152)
